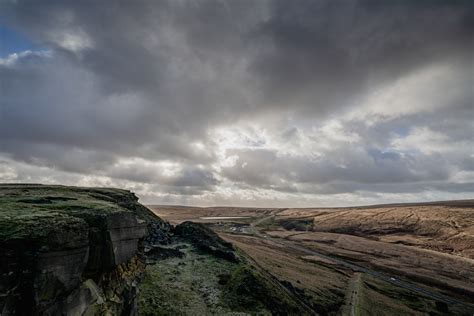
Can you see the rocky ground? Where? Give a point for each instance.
(202, 274)
(94, 251)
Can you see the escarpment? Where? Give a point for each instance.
(71, 251)
(96, 251)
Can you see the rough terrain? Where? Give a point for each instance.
(97, 251)
(413, 259)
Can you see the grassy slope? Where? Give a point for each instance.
(380, 298)
(200, 283)
(321, 286)
(177, 286)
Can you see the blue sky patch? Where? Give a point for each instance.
(12, 41)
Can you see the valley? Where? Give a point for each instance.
(412, 259)
(97, 251)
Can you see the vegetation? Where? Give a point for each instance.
(189, 284)
(191, 271)
(36, 211)
(251, 290)
(199, 282)
(299, 224)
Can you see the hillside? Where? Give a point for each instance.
(97, 251)
(397, 259)
(445, 227)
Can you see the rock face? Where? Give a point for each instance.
(68, 250)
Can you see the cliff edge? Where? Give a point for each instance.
(72, 250)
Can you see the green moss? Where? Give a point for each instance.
(37, 220)
(188, 285)
(202, 284)
(40, 212)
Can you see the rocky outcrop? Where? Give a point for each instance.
(74, 251)
(115, 243)
(206, 240)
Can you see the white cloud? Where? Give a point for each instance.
(76, 41)
(12, 59)
(427, 141)
(422, 91)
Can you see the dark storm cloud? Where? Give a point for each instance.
(149, 50)
(124, 80)
(325, 54)
(318, 54)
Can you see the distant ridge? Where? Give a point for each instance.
(452, 203)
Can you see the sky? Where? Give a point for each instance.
(248, 103)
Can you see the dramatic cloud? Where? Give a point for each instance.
(241, 102)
